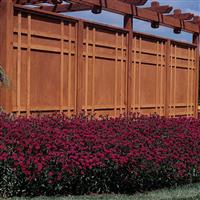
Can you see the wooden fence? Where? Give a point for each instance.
(71, 65)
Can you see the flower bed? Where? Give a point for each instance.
(52, 155)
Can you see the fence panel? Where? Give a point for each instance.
(44, 64)
(148, 75)
(105, 65)
(182, 80)
(46, 77)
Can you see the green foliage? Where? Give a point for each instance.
(9, 181)
(187, 192)
(4, 80)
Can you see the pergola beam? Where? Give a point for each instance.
(140, 13)
(155, 6)
(135, 2)
(64, 7)
(125, 8)
(24, 2)
(196, 20)
(182, 16)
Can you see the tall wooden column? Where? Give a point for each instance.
(197, 42)
(79, 70)
(6, 50)
(128, 24)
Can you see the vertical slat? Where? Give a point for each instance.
(134, 74)
(188, 83)
(193, 84)
(76, 70)
(93, 64)
(127, 77)
(191, 103)
(86, 67)
(157, 71)
(69, 70)
(161, 78)
(122, 74)
(29, 65)
(171, 78)
(139, 74)
(116, 68)
(168, 77)
(19, 65)
(79, 67)
(175, 80)
(195, 61)
(62, 66)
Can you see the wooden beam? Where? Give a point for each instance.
(196, 40)
(120, 7)
(6, 53)
(57, 1)
(196, 20)
(139, 13)
(155, 6)
(135, 2)
(182, 16)
(78, 7)
(64, 7)
(128, 24)
(23, 2)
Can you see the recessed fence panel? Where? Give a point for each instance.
(44, 64)
(105, 65)
(52, 73)
(148, 73)
(182, 80)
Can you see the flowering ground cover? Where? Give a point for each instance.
(56, 155)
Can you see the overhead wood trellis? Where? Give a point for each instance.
(74, 44)
(156, 13)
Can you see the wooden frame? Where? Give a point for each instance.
(80, 49)
(6, 38)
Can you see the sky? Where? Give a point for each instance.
(192, 6)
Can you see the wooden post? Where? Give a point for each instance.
(6, 51)
(128, 24)
(79, 70)
(167, 78)
(197, 42)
